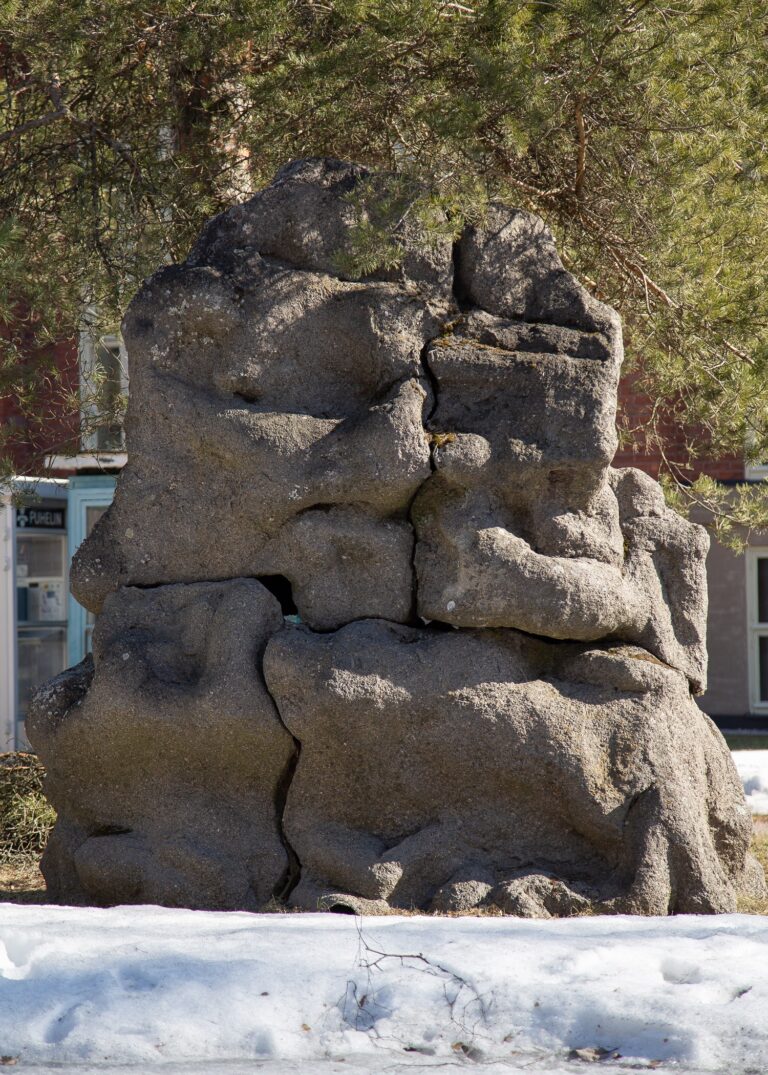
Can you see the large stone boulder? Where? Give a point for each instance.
(378, 624)
(166, 758)
(439, 768)
(267, 391)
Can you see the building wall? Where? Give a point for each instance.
(728, 633)
(635, 411)
(728, 691)
(53, 428)
(728, 630)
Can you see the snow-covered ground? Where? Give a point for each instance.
(163, 992)
(278, 994)
(752, 766)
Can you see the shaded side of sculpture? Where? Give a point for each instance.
(478, 689)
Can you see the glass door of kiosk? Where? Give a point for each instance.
(41, 601)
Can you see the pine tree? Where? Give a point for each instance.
(638, 131)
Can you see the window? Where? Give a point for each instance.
(757, 611)
(103, 387)
(758, 470)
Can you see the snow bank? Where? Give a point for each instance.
(152, 987)
(752, 766)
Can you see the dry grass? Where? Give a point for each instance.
(25, 821)
(26, 816)
(21, 883)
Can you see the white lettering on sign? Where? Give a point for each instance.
(41, 518)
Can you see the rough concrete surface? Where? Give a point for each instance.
(487, 767)
(166, 759)
(378, 624)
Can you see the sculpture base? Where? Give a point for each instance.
(438, 770)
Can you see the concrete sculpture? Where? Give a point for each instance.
(378, 624)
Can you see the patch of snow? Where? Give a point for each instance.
(752, 767)
(155, 988)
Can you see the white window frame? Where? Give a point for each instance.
(755, 629)
(105, 462)
(756, 472)
(87, 361)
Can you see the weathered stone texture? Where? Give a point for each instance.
(166, 758)
(262, 387)
(473, 759)
(418, 463)
(312, 398)
(510, 267)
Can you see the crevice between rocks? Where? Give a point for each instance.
(281, 589)
(429, 376)
(292, 874)
(432, 381)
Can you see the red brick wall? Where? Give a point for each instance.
(53, 427)
(635, 410)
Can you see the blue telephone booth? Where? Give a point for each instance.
(33, 597)
(89, 497)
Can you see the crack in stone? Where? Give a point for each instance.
(292, 873)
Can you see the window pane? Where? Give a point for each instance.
(762, 589)
(109, 433)
(763, 662)
(42, 557)
(41, 602)
(42, 655)
(93, 513)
